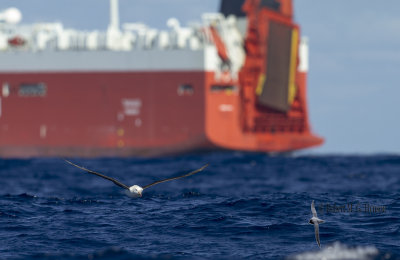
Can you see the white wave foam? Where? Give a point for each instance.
(339, 251)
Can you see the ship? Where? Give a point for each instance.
(234, 80)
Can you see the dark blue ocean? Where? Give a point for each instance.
(243, 206)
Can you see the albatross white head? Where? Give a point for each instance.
(135, 191)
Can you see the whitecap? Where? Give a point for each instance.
(339, 251)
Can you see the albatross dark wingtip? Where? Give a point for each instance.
(204, 166)
(118, 183)
(177, 177)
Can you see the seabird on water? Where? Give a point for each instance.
(135, 190)
(315, 221)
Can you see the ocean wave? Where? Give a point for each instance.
(341, 251)
(21, 196)
(112, 253)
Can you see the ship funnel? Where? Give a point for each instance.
(114, 15)
(114, 34)
(11, 16)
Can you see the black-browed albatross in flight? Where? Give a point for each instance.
(135, 190)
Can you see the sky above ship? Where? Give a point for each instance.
(353, 84)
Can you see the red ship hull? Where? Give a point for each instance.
(84, 114)
(89, 114)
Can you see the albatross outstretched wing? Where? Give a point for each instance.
(99, 174)
(316, 228)
(314, 212)
(175, 178)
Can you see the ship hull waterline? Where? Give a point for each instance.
(124, 114)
